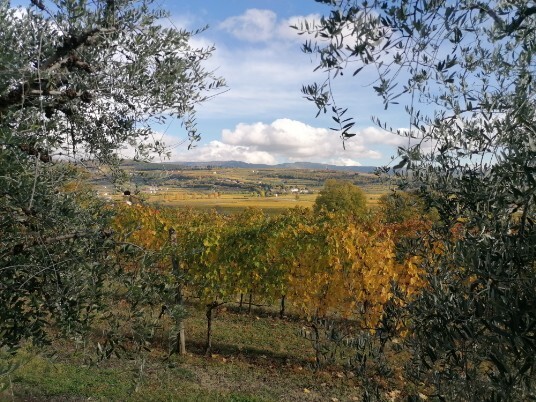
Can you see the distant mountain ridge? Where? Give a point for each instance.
(245, 165)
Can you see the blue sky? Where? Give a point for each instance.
(263, 117)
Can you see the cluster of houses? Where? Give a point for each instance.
(106, 194)
(296, 190)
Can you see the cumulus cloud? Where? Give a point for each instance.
(286, 140)
(219, 151)
(256, 25)
(253, 26)
(283, 136)
(297, 141)
(344, 162)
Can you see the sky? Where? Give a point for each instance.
(263, 117)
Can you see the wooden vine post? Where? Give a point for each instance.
(209, 313)
(181, 337)
(282, 307)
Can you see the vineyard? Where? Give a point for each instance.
(328, 279)
(322, 265)
(305, 295)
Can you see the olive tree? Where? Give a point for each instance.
(464, 70)
(80, 80)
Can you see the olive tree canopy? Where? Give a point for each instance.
(79, 80)
(89, 76)
(465, 72)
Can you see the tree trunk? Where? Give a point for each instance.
(282, 309)
(210, 308)
(181, 337)
(250, 302)
(241, 302)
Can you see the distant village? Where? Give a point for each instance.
(155, 180)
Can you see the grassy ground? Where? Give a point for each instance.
(256, 357)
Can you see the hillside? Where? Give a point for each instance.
(245, 165)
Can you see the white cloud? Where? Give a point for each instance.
(256, 25)
(219, 151)
(373, 135)
(284, 30)
(344, 162)
(253, 26)
(282, 136)
(286, 140)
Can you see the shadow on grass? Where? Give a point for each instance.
(257, 356)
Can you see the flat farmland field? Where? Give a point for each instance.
(230, 190)
(232, 202)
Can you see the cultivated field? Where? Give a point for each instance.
(230, 190)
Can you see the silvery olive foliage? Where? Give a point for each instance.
(465, 72)
(79, 81)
